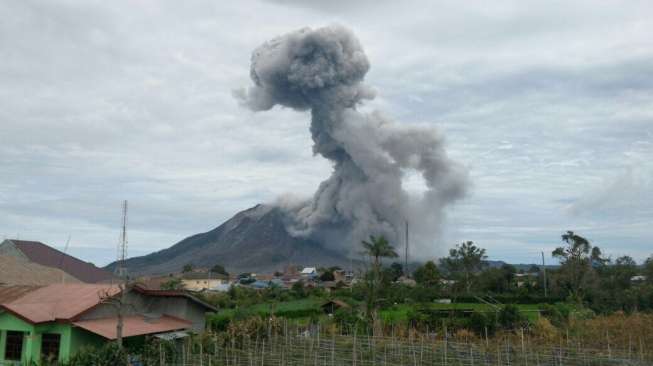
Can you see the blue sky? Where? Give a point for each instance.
(547, 104)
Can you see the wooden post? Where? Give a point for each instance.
(523, 350)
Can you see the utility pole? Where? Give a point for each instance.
(407, 272)
(544, 273)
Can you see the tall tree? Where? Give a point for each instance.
(578, 259)
(465, 261)
(376, 248)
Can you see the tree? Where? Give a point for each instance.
(498, 280)
(172, 284)
(219, 269)
(376, 248)
(465, 261)
(187, 268)
(427, 275)
(648, 269)
(577, 258)
(326, 274)
(396, 271)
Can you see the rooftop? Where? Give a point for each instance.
(45, 255)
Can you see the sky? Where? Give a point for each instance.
(548, 104)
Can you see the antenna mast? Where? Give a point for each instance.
(61, 264)
(122, 254)
(407, 274)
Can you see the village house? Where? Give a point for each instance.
(55, 321)
(44, 255)
(309, 273)
(201, 281)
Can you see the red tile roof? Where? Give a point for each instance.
(68, 301)
(58, 302)
(133, 325)
(42, 254)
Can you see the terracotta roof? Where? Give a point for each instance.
(59, 301)
(16, 271)
(47, 256)
(133, 325)
(11, 293)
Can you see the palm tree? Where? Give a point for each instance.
(378, 248)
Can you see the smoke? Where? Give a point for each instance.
(322, 71)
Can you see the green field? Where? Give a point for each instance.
(396, 313)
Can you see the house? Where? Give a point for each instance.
(14, 271)
(39, 253)
(309, 273)
(200, 281)
(57, 320)
(638, 279)
(331, 306)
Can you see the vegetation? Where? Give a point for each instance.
(594, 307)
(465, 261)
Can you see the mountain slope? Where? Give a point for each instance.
(254, 240)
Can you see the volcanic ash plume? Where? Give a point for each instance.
(322, 70)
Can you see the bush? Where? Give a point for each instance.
(109, 355)
(298, 313)
(559, 314)
(348, 320)
(544, 330)
(480, 321)
(219, 322)
(509, 317)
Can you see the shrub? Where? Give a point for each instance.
(480, 321)
(509, 317)
(544, 330)
(108, 355)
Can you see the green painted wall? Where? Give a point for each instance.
(72, 339)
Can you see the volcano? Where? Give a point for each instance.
(254, 240)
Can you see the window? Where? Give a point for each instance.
(14, 346)
(50, 346)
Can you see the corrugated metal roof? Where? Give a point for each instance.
(45, 255)
(133, 325)
(59, 301)
(173, 293)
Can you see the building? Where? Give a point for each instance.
(309, 273)
(57, 320)
(200, 281)
(39, 253)
(14, 271)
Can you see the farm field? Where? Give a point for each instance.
(310, 307)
